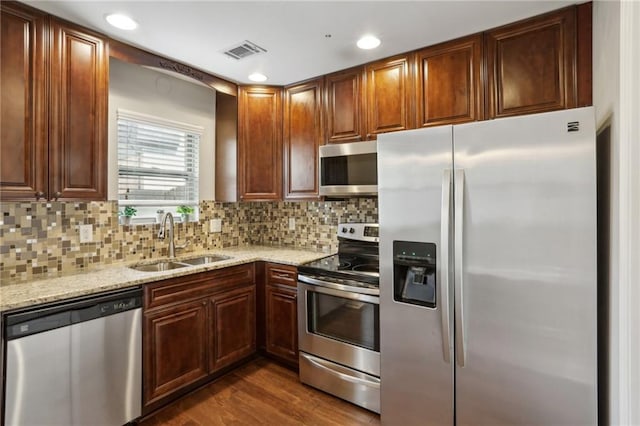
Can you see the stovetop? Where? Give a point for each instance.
(344, 267)
(357, 257)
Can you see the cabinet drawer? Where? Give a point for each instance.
(180, 289)
(282, 274)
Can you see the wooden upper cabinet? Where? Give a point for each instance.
(23, 103)
(302, 137)
(79, 94)
(344, 112)
(531, 65)
(260, 143)
(54, 108)
(389, 94)
(448, 82)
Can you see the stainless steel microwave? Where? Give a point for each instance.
(349, 169)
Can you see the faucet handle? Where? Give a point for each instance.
(181, 246)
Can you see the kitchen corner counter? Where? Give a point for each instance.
(120, 276)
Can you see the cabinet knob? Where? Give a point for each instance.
(57, 195)
(39, 195)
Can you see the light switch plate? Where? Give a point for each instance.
(215, 225)
(86, 233)
(292, 224)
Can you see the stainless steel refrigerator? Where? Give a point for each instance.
(488, 272)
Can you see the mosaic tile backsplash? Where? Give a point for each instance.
(39, 240)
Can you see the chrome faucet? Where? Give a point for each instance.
(161, 233)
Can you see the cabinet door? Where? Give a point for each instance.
(78, 114)
(232, 327)
(175, 349)
(302, 137)
(282, 322)
(531, 65)
(345, 119)
(260, 143)
(448, 82)
(389, 95)
(23, 119)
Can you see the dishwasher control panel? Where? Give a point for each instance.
(53, 316)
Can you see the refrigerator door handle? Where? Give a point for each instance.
(445, 221)
(458, 189)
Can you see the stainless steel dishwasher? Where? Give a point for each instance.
(76, 363)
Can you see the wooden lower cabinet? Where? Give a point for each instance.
(232, 326)
(281, 313)
(176, 349)
(282, 322)
(194, 327)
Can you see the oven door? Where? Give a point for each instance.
(337, 323)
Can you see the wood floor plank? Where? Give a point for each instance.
(261, 393)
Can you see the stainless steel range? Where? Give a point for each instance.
(339, 318)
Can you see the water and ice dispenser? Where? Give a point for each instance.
(414, 273)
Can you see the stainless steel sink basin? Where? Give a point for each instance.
(163, 265)
(166, 265)
(201, 260)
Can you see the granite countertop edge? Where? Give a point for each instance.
(120, 276)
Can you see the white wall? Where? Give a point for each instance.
(606, 99)
(616, 95)
(147, 91)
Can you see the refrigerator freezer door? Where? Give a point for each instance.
(416, 372)
(529, 270)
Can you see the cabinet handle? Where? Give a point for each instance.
(39, 195)
(284, 277)
(57, 195)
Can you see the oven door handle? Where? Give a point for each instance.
(337, 293)
(341, 287)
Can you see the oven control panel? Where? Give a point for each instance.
(359, 231)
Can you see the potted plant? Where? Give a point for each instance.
(126, 214)
(185, 212)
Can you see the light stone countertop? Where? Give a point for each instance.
(120, 276)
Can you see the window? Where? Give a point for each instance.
(157, 163)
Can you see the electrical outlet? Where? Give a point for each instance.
(215, 225)
(86, 233)
(292, 224)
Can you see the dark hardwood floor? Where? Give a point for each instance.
(261, 393)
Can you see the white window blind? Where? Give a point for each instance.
(157, 161)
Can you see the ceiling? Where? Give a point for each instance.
(303, 39)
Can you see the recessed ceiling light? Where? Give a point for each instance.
(257, 77)
(121, 21)
(368, 42)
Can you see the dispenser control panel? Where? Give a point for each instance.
(414, 273)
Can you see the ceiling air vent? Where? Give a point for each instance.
(244, 49)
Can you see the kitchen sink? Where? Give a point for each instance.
(201, 260)
(163, 265)
(167, 265)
